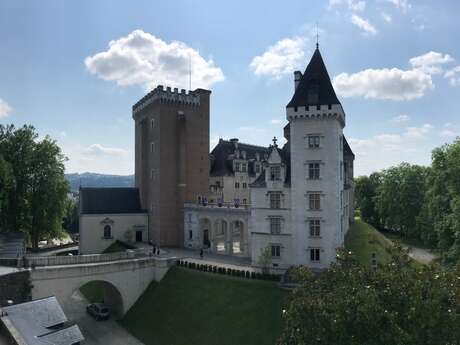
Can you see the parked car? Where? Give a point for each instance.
(98, 310)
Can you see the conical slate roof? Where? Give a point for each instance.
(315, 86)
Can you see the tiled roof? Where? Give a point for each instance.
(110, 201)
(315, 86)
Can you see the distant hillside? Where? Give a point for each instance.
(98, 180)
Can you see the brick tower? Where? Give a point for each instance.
(171, 157)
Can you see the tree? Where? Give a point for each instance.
(70, 220)
(366, 196)
(397, 304)
(36, 197)
(6, 183)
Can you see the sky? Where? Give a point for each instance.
(73, 69)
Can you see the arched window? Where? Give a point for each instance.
(107, 231)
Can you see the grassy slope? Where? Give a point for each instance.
(362, 239)
(191, 307)
(93, 291)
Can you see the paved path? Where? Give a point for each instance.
(228, 261)
(96, 332)
(422, 255)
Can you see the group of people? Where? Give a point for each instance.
(155, 249)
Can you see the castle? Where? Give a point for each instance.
(294, 202)
(297, 200)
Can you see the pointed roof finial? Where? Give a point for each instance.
(317, 36)
(274, 142)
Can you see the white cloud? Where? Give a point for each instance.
(388, 84)
(386, 17)
(431, 62)
(400, 118)
(418, 132)
(403, 5)
(4, 108)
(276, 121)
(143, 59)
(363, 24)
(453, 75)
(281, 58)
(353, 5)
(98, 150)
(98, 158)
(450, 131)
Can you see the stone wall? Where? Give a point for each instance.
(15, 286)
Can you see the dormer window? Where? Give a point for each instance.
(257, 168)
(237, 167)
(275, 173)
(243, 167)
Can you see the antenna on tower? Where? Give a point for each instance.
(190, 72)
(317, 36)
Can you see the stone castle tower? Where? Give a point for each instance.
(316, 121)
(171, 157)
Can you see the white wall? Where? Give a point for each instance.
(329, 154)
(92, 239)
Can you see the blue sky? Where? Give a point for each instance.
(74, 69)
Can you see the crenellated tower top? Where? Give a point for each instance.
(168, 95)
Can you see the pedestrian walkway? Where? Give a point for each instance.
(227, 261)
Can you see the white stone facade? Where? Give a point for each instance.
(95, 236)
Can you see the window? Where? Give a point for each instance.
(313, 141)
(315, 254)
(275, 200)
(276, 251)
(313, 171)
(275, 173)
(237, 166)
(245, 185)
(257, 168)
(318, 107)
(329, 106)
(243, 167)
(152, 123)
(315, 227)
(341, 143)
(152, 174)
(190, 234)
(107, 231)
(275, 225)
(244, 201)
(314, 201)
(217, 184)
(152, 147)
(341, 170)
(237, 185)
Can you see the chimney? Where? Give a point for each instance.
(297, 77)
(235, 142)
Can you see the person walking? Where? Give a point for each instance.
(201, 253)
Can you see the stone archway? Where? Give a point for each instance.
(103, 291)
(205, 232)
(237, 238)
(220, 231)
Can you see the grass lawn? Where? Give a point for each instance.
(191, 307)
(117, 246)
(363, 239)
(93, 291)
(409, 242)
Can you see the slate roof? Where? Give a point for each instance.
(110, 201)
(42, 321)
(221, 165)
(347, 149)
(285, 154)
(315, 80)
